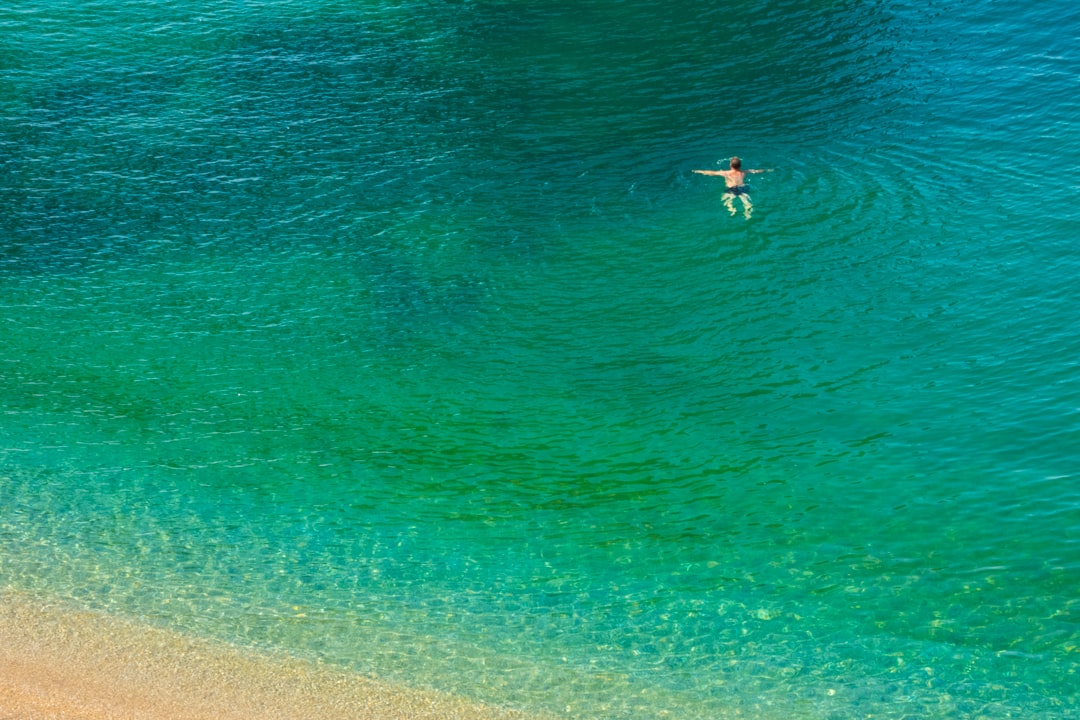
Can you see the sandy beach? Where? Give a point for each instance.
(62, 664)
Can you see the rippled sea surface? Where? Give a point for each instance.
(401, 336)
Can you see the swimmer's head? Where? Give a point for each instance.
(736, 163)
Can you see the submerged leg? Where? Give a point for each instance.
(748, 207)
(729, 202)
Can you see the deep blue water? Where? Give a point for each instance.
(402, 336)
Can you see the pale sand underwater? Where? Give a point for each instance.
(65, 664)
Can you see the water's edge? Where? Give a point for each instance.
(71, 662)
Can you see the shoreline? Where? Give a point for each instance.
(63, 663)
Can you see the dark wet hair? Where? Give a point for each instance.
(736, 163)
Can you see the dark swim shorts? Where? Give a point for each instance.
(738, 189)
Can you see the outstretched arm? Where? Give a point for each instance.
(711, 172)
(755, 172)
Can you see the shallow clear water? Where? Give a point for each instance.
(402, 336)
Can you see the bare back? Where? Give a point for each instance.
(733, 178)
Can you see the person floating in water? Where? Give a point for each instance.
(736, 185)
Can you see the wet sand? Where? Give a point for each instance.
(63, 664)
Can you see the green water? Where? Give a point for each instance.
(403, 337)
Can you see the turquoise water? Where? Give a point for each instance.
(401, 336)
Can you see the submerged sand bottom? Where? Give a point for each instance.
(64, 664)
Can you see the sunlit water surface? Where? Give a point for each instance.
(402, 337)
